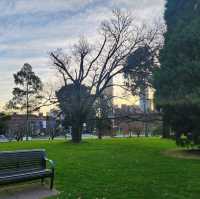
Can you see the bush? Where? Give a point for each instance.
(184, 141)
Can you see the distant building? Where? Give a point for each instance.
(125, 110)
(146, 100)
(124, 125)
(38, 124)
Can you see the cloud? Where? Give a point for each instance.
(30, 29)
(10, 7)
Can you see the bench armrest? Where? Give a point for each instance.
(51, 162)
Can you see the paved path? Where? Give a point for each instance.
(29, 191)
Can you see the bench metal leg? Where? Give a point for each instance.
(42, 181)
(51, 183)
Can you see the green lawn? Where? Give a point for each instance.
(119, 169)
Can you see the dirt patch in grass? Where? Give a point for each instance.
(183, 153)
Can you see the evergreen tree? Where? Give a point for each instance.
(177, 80)
(27, 92)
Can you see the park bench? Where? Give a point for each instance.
(25, 165)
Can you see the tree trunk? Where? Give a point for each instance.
(27, 113)
(76, 133)
(99, 134)
(166, 129)
(27, 125)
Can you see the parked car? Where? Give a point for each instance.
(25, 138)
(3, 138)
(86, 132)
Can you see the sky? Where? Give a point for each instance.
(30, 29)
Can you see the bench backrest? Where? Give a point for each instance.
(21, 161)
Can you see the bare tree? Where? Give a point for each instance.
(94, 66)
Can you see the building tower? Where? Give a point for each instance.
(146, 100)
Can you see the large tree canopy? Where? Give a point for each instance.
(27, 90)
(178, 77)
(177, 81)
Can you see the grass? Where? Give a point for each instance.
(119, 169)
